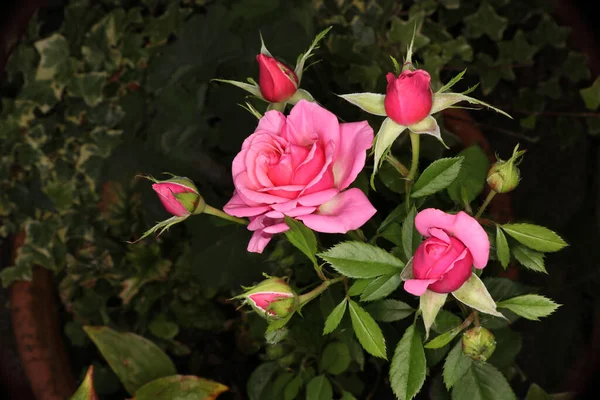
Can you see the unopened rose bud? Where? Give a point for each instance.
(408, 97)
(277, 82)
(504, 176)
(478, 343)
(272, 298)
(179, 196)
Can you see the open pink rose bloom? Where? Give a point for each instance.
(300, 166)
(453, 244)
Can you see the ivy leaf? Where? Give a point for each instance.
(535, 237)
(367, 331)
(548, 32)
(485, 21)
(335, 317)
(302, 238)
(518, 49)
(381, 287)
(530, 306)
(502, 250)
(530, 259)
(319, 388)
(401, 31)
(575, 67)
(389, 310)
(472, 175)
(361, 260)
(483, 382)
(456, 366)
(591, 95)
(408, 366)
(89, 86)
(437, 176)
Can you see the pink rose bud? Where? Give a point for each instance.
(408, 97)
(276, 81)
(272, 298)
(479, 344)
(179, 196)
(453, 244)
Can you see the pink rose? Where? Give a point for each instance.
(408, 98)
(299, 166)
(276, 81)
(179, 196)
(454, 243)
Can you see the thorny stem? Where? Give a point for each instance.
(486, 202)
(218, 213)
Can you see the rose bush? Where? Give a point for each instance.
(300, 166)
(442, 263)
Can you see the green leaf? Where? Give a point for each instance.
(443, 339)
(502, 250)
(134, 359)
(474, 294)
(530, 306)
(452, 82)
(428, 126)
(456, 366)
(319, 388)
(293, 388)
(388, 133)
(472, 175)
(389, 310)
(302, 238)
(86, 389)
(180, 387)
(347, 396)
(54, 53)
(361, 260)
(441, 101)
(252, 89)
(535, 237)
(408, 366)
(483, 382)
(89, 86)
(259, 380)
(485, 21)
(334, 319)
(335, 358)
(162, 328)
(410, 236)
(510, 344)
(591, 95)
(437, 176)
(381, 287)
(517, 50)
(358, 286)
(445, 321)
(367, 331)
(369, 102)
(401, 31)
(430, 304)
(304, 57)
(530, 259)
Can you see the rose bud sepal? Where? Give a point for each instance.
(504, 176)
(478, 343)
(272, 299)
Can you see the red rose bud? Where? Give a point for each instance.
(479, 344)
(408, 97)
(179, 196)
(276, 81)
(272, 298)
(504, 176)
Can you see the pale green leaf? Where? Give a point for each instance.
(428, 126)
(441, 101)
(334, 319)
(408, 366)
(367, 331)
(474, 294)
(530, 259)
(361, 260)
(388, 133)
(86, 390)
(591, 95)
(530, 306)
(430, 304)
(535, 237)
(252, 89)
(369, 102)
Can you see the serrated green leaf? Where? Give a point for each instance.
(314, 45)
(134, 359)
(361, 260)
(358, 286)
(437, 176)
(474, 294)
(381, 287)
(443, 339)
(483, 382)
(445, 321)
(452, 82)
(456, 366)
(535, 237)
(302, 238)
(389, 310)
(367, 331)
(408, 366)
(430, 304)
(502, 250)
(471, 178)
(335, 358)
(180, 387)
(410, 236)
(334, 319)
(530, 259)
(319, 388)
(369, 102)
(530, 306)
(387, 134)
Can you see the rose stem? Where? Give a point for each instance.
(487, 200)
(415, 141)
(306, 297)
(218, 213)
(401, 168)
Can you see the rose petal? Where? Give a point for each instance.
(258, 241)
(355, 139)
(348, 210)
(238, 208)
(318, 198)
(417, 286)
(462, 226)
(277, 228)
(309, 122)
